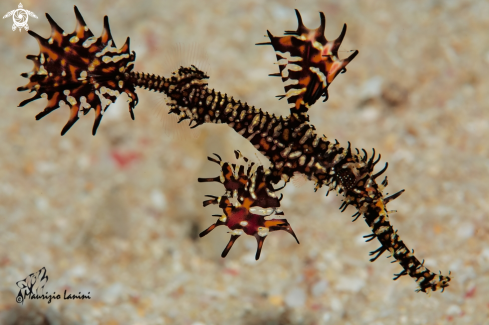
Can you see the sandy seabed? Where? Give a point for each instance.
(118, 214)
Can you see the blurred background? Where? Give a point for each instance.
(118, 214)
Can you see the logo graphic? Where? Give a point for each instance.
(20, 17)
(30, 286)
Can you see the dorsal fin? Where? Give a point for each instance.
(82, 70)
(308, 63)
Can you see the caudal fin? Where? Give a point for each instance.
(81, 70)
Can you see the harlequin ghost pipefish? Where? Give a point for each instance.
(89, 73)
